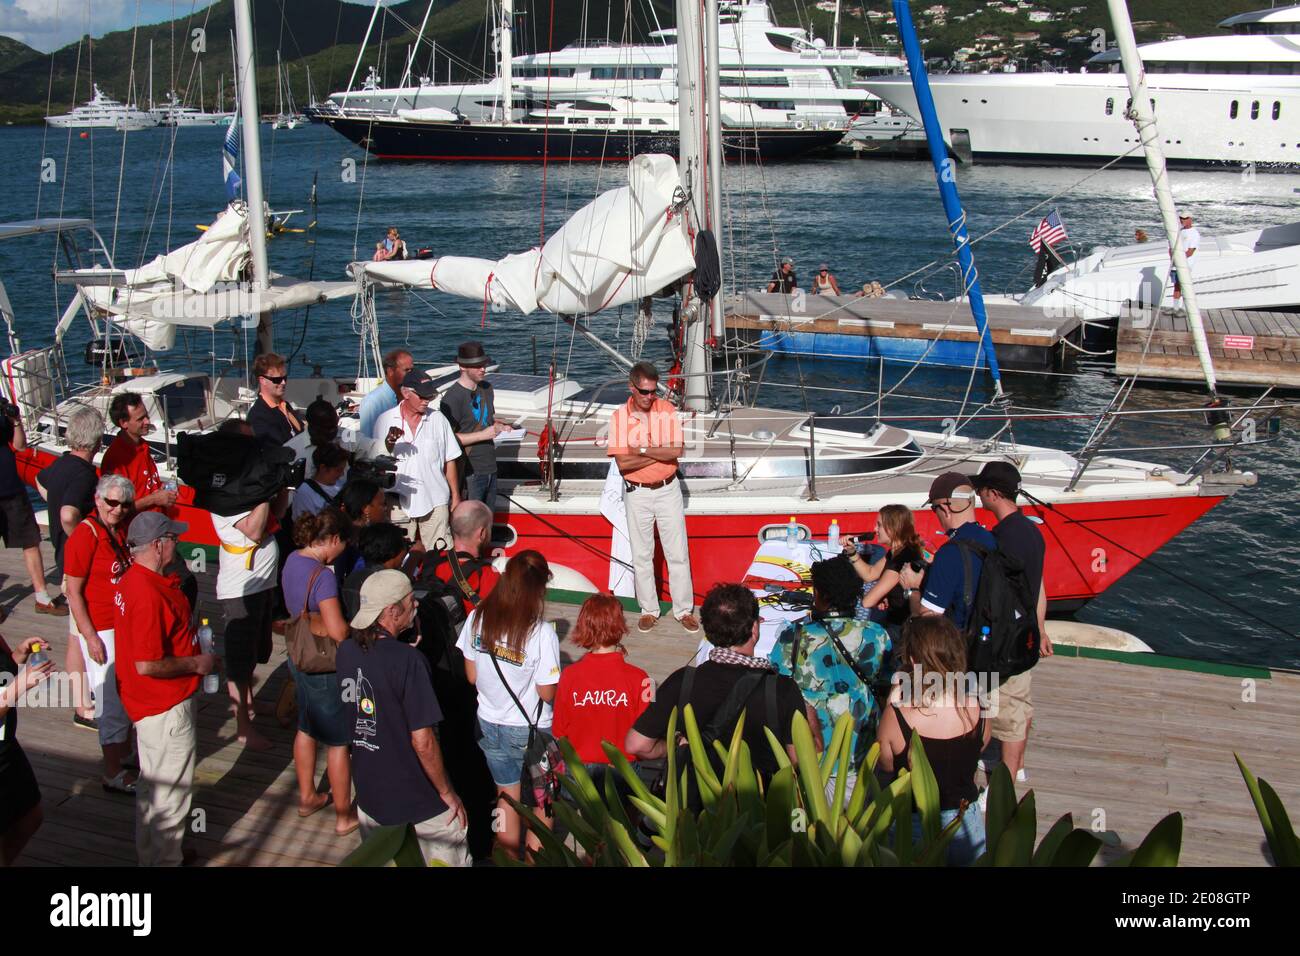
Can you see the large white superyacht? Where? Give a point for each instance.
(104, 112)
(1230, 98)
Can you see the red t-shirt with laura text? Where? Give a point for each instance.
(153, 623)
(90, 554)
(125, 457)
(599, 698)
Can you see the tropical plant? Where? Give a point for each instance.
(1282, 842)
(383, 845)
(791, 822)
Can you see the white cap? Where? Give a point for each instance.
(1184, 214)
(381, 590)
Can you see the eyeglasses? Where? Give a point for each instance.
(275, 379)
(643, 391)
(110, 503)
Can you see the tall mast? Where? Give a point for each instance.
(505, 46)
(1145, 120)
(361, 52)
(691, 167)
(200, 86)
(150, 74)
(945, 175)
(711, 86)
(410, 60)
(835, 31)
(246, 83)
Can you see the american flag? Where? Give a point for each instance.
(1050, 231)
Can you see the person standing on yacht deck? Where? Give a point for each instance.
(128, 454)
(784, 279)
(1191, 239)
(397, 365)
(469, 406)
(645, 439)
(273, 419)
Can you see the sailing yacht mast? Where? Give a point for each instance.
(505, 45)
(690, 165)
(1144, 118)
(246, 83)
(361, 52)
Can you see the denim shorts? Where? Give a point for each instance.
(968, 843)
(503, 745)
(322, 715)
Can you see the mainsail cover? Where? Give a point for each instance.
(625, 244)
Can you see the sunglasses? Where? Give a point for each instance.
(275, 379)
(111, 503)
(824, 271)
(643, 391)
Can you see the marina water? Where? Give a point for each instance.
(866, 219)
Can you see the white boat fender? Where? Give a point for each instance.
(800, 124)
(563, 578)
(1079, 634)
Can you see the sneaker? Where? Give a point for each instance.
(647, 623)
(85, 723)
(54, 608)
(689, 624)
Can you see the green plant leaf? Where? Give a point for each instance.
(862, 792)
(780, 807)
(1272, 818)
(571, 819)
(1077, 849)
(831, 754)
(627, 848)
(778, 751)
(557, 853)
(385, 845)
(629, 775)
(1052, 841)
(731, 756)
(1161, 846)
(850, 847)
(1016, 847)
(705, 776)
(841, 773)
(902, 809)
(673, 798)
(814, 792)
(925, 791)
(654, 815)
(1000, 807)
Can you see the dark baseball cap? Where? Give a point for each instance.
(148, 526)
(420, 383)
(947, 483)
(1001, 476)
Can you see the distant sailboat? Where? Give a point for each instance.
(286, 114)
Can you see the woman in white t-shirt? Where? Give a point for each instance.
(506, 638)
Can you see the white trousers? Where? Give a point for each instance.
(114, 725)
(663, 509)
(166, 785)
(441, 838)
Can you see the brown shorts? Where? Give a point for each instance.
(19, 522)
(1014, 708)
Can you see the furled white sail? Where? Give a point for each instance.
(202, 284)
(625, 244)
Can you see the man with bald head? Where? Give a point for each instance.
(471, 532)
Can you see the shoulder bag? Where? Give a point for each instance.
(543, 762)
(309, 653)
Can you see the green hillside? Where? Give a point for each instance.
(323, 36)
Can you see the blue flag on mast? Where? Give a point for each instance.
(230, 162)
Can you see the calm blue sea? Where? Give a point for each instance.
(868, 219)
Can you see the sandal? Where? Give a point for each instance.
(118, 784)
(325, 801)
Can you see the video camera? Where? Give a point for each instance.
(233, 473)
(382, 470)
(8, 409)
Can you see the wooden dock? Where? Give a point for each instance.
(1118, 743)
(935, 333)
(1249, 348)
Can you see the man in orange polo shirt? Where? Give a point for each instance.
(645, 439)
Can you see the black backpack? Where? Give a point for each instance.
(1002, 603)
(452, 594)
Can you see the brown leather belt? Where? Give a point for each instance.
(649, 486)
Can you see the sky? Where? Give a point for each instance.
(50, 24)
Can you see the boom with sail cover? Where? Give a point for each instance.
(625, 244)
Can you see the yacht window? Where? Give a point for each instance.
(1277, 109)
(631, 122)
(1254, 110)
(1110, 106)
(604, 120)
(576, 120)
(626, 72)
(658, 122)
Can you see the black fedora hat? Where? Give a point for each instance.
(471, 355)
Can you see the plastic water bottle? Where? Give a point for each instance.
(833, 536)
(211, 682)
(37, 657)
(792, 532)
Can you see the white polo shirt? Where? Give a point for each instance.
(421, 457)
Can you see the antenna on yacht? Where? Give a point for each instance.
(1144, 118)
(505, 47)
(246, 83)
(945, 175)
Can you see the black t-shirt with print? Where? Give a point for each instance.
(389, 690)
(899, 609)
(70, 481)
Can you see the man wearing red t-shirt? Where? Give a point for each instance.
(158, 668)
(94, 560)
(128, 455)
(471, 533)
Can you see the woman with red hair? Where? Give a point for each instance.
(602, 695)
